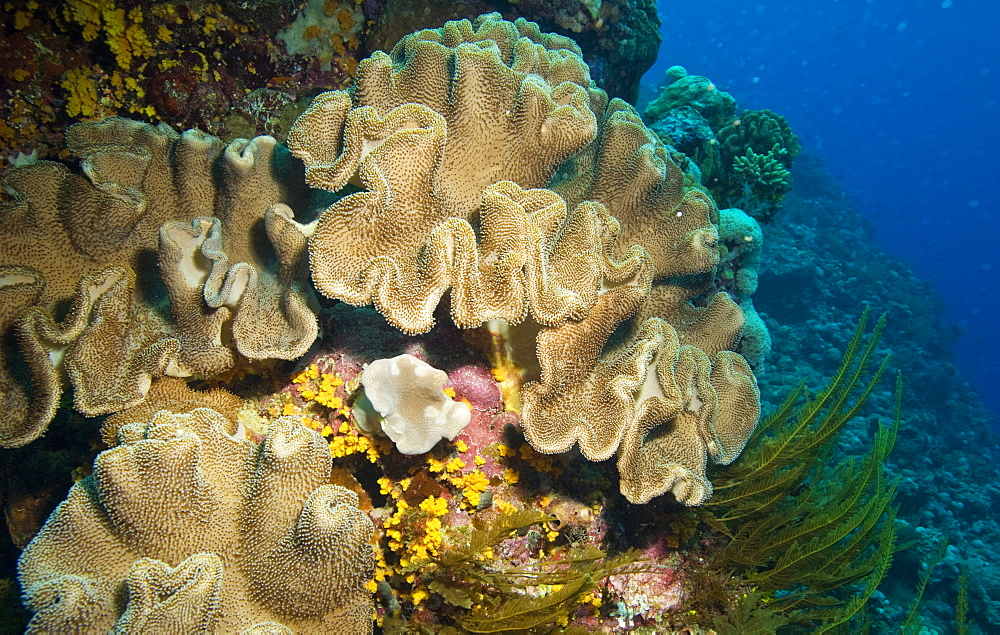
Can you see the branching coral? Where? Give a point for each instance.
(453, 137)
(756, 153)
(763, 180)
(189, 527)
(73, 241)
(760, 130)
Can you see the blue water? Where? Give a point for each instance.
(900, 101)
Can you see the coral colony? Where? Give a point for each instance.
(375, 378)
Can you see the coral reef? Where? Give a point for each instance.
(430, 130)
(434, 512)
(574, 285)
(188, 526)
(808, 297)
(149, 201)
(220, 67)
(740, 247)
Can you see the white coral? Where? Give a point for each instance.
(416, 412)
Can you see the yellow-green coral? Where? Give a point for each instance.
(762, 169)
(756, 153)
(472, 485)
(81, 92)
(91, 93)
(123, 32)
(86, 13)
(763, 182)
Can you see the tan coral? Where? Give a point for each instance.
(601, 283)
(664, 407)
(76, 240)
(627, 170)
(188, 528)
(703, 410)
(428, 130)
(514, 102)
(173, 394)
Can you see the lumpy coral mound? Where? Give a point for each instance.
(492, 170)
(185, 527)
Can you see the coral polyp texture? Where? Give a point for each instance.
(494, 171)
(187, 527)
(222, 271)
(428, 141)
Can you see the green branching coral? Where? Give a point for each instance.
(808, 540)
(497, 598)
(764, 169)
(756, 153)
(764, 181)
(760, 130)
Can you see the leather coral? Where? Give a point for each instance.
(492, 170)
(188, 527)
(142, 266)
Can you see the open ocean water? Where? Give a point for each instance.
(899, 102)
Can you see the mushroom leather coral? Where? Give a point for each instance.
(429, 129)
(173, 394)
(146, 194)
(185, 527)
(492, 168)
